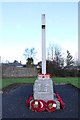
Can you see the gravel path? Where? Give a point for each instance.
(14, 103)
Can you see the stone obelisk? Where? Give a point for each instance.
(43, 88)
(43, 45)
(43, 85)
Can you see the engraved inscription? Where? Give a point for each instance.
(42, 88)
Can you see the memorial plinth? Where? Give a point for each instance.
(43, 89)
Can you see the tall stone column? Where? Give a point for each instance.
(43, 45)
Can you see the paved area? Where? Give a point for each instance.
(14, 103)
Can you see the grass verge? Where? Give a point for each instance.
(73, 81)
(56, 80)
(8, 81)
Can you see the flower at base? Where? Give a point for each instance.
(51, 106)
(35, 105)
(43, 105)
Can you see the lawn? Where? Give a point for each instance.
(72, 80)
(8, 81)
(56, 80)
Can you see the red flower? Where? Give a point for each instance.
(60, 100)
(28, 101)
(49, 75)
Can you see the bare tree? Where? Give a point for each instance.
(30, 55)
(50, 52)
(58, 57)
(54, 54)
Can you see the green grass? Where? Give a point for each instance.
(8, 81)
(73, 81)
(59, 80)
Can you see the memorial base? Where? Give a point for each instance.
(43, 97)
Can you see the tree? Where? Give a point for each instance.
(15, 61)
(58, 57)
(77, 62)
(30, 55)
(29, 61)
(54, 54)
(69, 59)
(50, 52)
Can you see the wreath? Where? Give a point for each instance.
(35, 105)
(51, 106)
(43, 105)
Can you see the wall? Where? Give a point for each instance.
(10, 71)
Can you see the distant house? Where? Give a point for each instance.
(14, 64)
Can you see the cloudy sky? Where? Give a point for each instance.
(21, 28)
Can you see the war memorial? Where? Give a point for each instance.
(43, 96)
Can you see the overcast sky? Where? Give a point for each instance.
(21, 28)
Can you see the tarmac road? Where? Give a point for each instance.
(14, 103)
